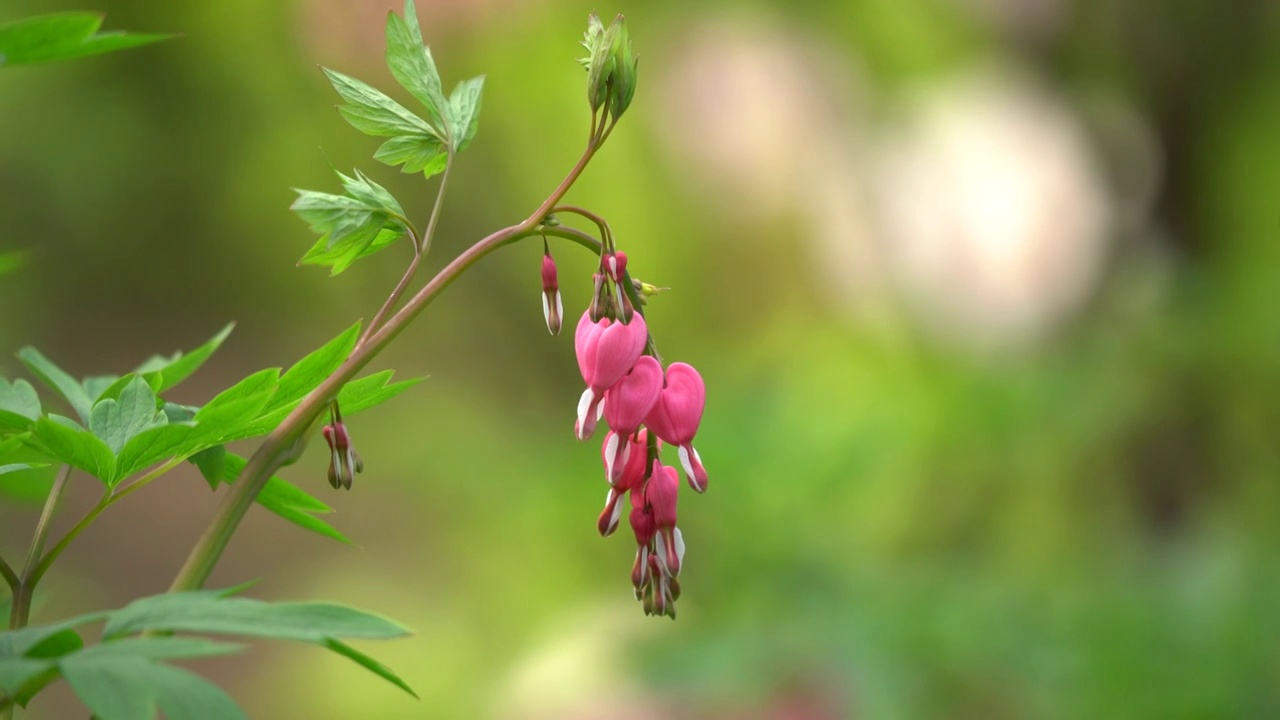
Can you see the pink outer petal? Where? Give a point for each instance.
(586, 339)
(616, 352)
(632, 397)
(676, 415)
(662, 493)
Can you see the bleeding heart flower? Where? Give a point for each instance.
(625, 406)
(676, 415)
(606, 351)
(552, 307)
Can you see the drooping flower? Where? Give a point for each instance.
(661, 552)
(552, 307)
(676, 415)
(626, 404)
(631, 470)
(606, 351)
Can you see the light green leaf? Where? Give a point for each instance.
(202, 612)
(62, 439)
(179, 367)
(158, 648)
(132, 687)
(464, 111)
(341, 258)
(352, 227)
(18, 643)
(19, 405)
(116, 421)
(306, 374)
(227, 414)
(371, 193)
(62, 36)
(57, 380)
(372, 112)
(411, 63)
(286, 500)
(369, 664)
(95, 386)
(371, 391)
(418, 153)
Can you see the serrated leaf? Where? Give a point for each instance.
(233, 409)
(369, 664)
(372, 112)
(339, 259)
(352, 227)
(371, 193)
(57, 380)
(152, 445)
(62, 439)
(62, 36)
(17, 643)
(179, 366)
(19, 405)
(464, 111)
(417, 153)
(371, 391)
(410, 62)
(306, 374)
(116, 421)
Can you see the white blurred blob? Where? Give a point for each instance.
(994, 214)
(748, 108)
(580, 673)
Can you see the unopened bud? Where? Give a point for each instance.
(552, 306)
(344, 462)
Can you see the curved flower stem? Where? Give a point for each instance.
(420, 248)
(291, 432)
(606, 235)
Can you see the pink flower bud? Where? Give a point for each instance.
(676, 415)
(552, 307)
(608, 521)
(614, 265)
(625, 406)
(606, 351)
(343, 460)
(629, 463)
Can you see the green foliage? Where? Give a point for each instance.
(286, 500)
(352, 226)
(62, 36)
(611, 65)
(409, 60)
(57, 380)
(19, 405)
(464, 111)
(117, 420)
(121, 678)
(179, 367)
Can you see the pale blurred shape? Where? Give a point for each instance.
(995, 217)
(750, 106)
(579, 673)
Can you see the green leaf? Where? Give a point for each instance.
(372, 194)
(57, 380)
(153, 445)
(160, 648)
(371, 391)
(132, 687)
(63, 439)
(307, 374)
(212, 464)
(97, 385)
(418, 153)
(203, 612)
(62, 36)
(18, 643)
(116, 421)
(410, 62)
(179, 367)
(341, 258)
(369, 664)
(372, 112)
(464, 111)
(286, 500)
(19, 405)
(227, 414)
(19, 672)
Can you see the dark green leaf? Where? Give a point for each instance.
(62, 439)
(179, 367)
(17, 643)
(57, 379)
(411, 63)
(212, 463)
(18, 672)
(116, 421)
(56, 645)
(464, 111)
(62, 36)
(418, 153)
(369, 664)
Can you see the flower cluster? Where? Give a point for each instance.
(644, 407)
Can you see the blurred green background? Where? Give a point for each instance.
(984, 292)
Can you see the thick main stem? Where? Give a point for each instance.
(269, 455)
